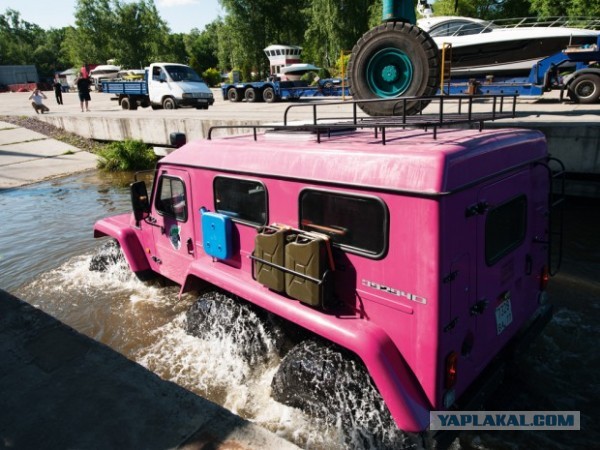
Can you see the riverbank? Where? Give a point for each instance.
(28, 156)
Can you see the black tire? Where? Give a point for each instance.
(233, 95)
(125, 103)
(269, 95)
(585, 89)
(144, 103)
(333, 385)
(109, 254)
(393, 60)
(250, 95)
(169, 103)
(217, 315)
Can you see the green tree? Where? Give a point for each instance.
(483, 9)
(174, 49)
(202, 47)
(335, 26)
(252, 25)
(18, 39)
(48, 55)
(90, 41)
(573, 8)
(141, 34)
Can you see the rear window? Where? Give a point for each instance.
(171, 199)
(355, 223)
(243, 200)
(505, 228)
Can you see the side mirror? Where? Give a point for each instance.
(177, 139)
(140, 202)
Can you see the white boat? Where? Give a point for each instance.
(294, 72)
(508, 46)
(103, 73)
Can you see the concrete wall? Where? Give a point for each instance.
(150, 130)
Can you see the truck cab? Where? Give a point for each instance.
(424, 254)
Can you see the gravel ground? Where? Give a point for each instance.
(53, 132)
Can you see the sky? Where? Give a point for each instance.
(181, 15)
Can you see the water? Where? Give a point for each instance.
(47, 242)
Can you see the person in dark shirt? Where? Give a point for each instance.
(83, 89)
(57, 91)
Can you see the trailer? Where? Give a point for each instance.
(571, 71)
(275, 90)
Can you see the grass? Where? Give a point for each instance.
(128, 155)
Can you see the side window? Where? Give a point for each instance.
(505, 228)
(354, 223)
(171, 199)
(244, 200)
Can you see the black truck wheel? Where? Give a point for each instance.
(169, 103)
(269, 95)
(394, 60)
(250, 95)
(233, 95)
(125, 103)
(585, 89)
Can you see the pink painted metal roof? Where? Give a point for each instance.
(411, 160)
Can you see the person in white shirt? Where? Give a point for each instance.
(37, 98)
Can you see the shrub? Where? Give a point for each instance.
(126, 156)
(212, 77)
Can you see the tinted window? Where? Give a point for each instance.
(505, 228)
(357, 224)
(171, 199)
(244, 200)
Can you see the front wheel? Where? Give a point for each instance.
(585, 89)
(394, 60)
(169, 103)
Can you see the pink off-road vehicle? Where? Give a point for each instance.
(404, 261)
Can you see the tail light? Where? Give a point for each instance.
(544, 278)
(451, 373)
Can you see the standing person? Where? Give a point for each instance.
(37, 101)
(83, 89)
(57, 91)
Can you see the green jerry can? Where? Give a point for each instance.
(306, 255)
(269, 245)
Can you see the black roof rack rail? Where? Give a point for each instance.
(494, 107)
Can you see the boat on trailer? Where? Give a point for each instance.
(507, 46)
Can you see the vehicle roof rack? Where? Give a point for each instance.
(452, 110)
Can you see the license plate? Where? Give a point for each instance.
(503, 316)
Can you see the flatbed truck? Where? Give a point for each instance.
(165, 85)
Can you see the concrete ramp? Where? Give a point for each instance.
(63, 390)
